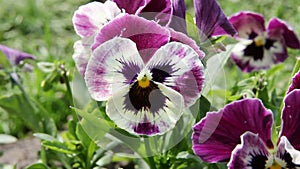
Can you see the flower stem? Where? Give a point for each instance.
(69, 91)
(150, 157)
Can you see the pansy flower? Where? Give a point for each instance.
(15, 56)
(134, 28)
(209, 17)
(258, 47)
(145, 78)
(241, 134)
(89, 19)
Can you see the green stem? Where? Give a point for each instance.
(295, 70)
(150, 157)
(69, 91)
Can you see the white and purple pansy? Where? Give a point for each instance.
(148, 35)
(146, 78)
(258, 47)
(15, 56)
(241, 134)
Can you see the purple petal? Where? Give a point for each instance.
(148, 35)
(251, 153)
(155, 116)
(281, 28)
(179, 67)
(180, 37)
(15, 56)
(89, 18)
(211, 20)
(290, 127)
(295, 82)
(216, 135)
(82, 53)
(178, 22)
(248, 24)
(158, 10)
(112, 66)
(287, 153)
(133, 7)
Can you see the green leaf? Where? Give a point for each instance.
(214, 74)
(37, 166)
(204, 107)
(4, 62)
(192, 29)
(44, 136)
(95, 127)
(83, 137)
(60, 147)
(7, 139)
(18, 105)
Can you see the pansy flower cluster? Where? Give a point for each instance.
(137, 57)
(249, 142)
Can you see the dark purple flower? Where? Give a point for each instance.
(146, 76)
(178, 22)
(258, 47)
(295, 82)
(211, 20)
(241, 134)
(158, 10)
(15, 56)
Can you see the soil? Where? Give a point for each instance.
(23, 152)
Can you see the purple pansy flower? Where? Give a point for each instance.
(15, 56)
(209, 17)
(295, 82)
(211, 20)
(158, 10)
(241, 134)
(258, 47)
(146, 78)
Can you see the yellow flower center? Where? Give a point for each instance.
(275, 166)
(144, 82)
(259, 41)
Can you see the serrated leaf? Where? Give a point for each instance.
(60, 147)
(37, 166)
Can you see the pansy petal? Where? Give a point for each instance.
(181, 37)
(248, 24)
(250, 57)
(15, 56)
(278, 27)
(89, 18)
(295, 82)
(210, 18)
(132, 7)
(290, 127)
(148, 35)
(216, 135)
(112, 66)
(252, 153)
(82, 53)
(145, 111)
(287, 154)
(158, 10)
(179, 67)
(178, 22)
